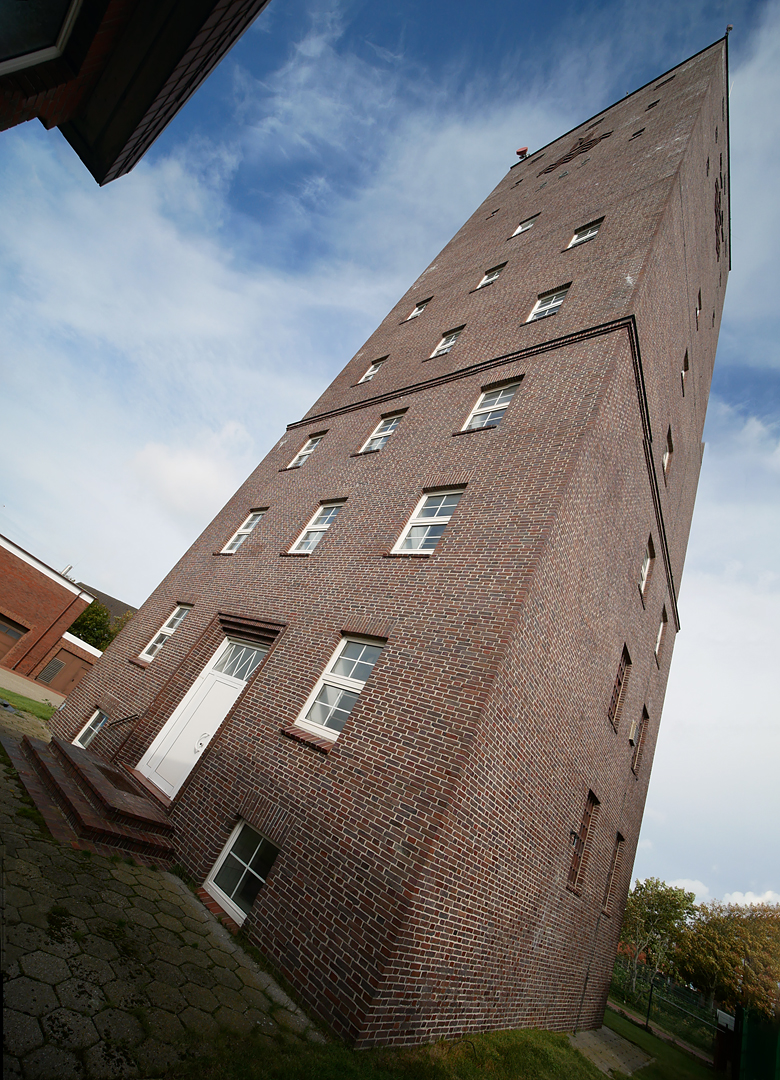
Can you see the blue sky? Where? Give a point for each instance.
(156, 335)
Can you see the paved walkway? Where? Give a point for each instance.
(20, 684)
(114, 970)
(609, 1051)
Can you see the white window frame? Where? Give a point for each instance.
(661, 632)
(306, 451)
(311, 526)
(491, 275)
(373, 367)
(666, 460)
(548, 304)
(340, 682)
(585, 233)
(448, 339)
(415, 519)
(92, 726)
(647, 565)
(169, 627)
(481, 409)
(214, 890)
(418, 309)
(382, 432)
(240, 535)
(524, 226)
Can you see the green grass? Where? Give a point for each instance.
(500, 1055)
(37, 708)
(670, 1063)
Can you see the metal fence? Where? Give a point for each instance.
(675, 1009)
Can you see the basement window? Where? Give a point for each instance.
(241, 870)
(90, 729)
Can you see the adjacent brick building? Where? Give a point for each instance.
(401, 698)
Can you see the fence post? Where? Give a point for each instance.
(649, 1005)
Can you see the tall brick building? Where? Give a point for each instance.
(400, 700)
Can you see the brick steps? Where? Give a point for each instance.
(80, 801)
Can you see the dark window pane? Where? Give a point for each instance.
(229, 875)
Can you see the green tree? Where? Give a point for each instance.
(94, 625)
(656, 916)
(732, 954)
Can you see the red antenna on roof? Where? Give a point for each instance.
(522, 152)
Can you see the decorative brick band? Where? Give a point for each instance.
(270, 819)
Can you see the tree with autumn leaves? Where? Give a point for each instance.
(728, 952)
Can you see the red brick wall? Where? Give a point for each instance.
(421, 888)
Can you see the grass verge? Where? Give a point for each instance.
(670, 1062)
(37, 708)
(500, 1055)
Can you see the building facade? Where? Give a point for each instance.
(400, 700)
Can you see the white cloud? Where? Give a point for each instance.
(698, 887)
(748, 899)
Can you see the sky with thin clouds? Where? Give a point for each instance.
(157, 334)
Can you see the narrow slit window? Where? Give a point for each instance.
(419, 308)
(580, 842)
(619, 690)
(372, 370)
(491, 275)
(381, 433)
(165, 632)
(306, 451)
(647, 565)
(446, 343)
(614, 873)
(240, 535)
(661, 633)
(587, 232)
(429, 520)
(524, 226)
(548, 304)
(666, 461)
(489, 410)
(317, 527)
(686, 366)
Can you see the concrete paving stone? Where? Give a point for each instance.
(12, 1068)
(29, 938)
(125, 994)
(199, 976)
(99, 947)
(11, 969)
(69, 1029)
(163, 996)
(197, 926)
(16, 895)
(195, 940)
(77, 907)
(131, 968)
(156, 1057)
(231, 998)
(21, 1033)
(176, 926)
(29, 996)
(167, 973)
(92, 969)
(295, 1022)
(45, 967)
(172, 907)
(119, 1027)
(226, 978)
(147, 893)
(198, 957)
(314, 1036)
(200, 998)
(11, 915)
(51, 1063)
(109, 1063)
(116, 887)
(83, 996)
(59, 876)
(109, 912)
(276, 994)
(166, 1026)
(144, 904)
(199, 1022)
(234, 1021)
(256, 999)
(219, 958)
(142, 918)
(35, 915)
(164, 939)
(265, 1025)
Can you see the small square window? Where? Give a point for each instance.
(491, 407)
(587, 232)
(429, 520)
(306, 451)
(548, 304)
(333, 698)
(372, 370)
(90, 729)
(419, 308)
(241, 871)
(382, 433)
(166, 630)
(240, 535)
(446, 343)
(317, 527)
(524, 226)
(491, 276)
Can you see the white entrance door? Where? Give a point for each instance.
(173, 754)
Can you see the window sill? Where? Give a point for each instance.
(407, 555)
(473, 430)
(575, 890)
(301, 735)
(294, 554)
(642, 595)
(365, 453)
(138, 662)
(530, 322)
(223, 553)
